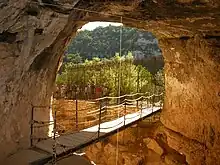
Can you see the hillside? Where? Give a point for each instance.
(103, 42)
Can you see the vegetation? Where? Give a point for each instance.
(103, 42)
(106, 74)
(92, 61)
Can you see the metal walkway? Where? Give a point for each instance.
(66, 144)
(72, 142)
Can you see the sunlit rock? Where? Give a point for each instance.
(153, 145)
(34, 35)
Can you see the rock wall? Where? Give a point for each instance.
(143, 144)
(190, 118)
(192, 101)
(34, 34)
(27, 70)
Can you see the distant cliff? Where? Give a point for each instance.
(103, 42)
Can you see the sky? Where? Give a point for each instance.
(93, 25)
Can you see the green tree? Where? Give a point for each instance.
(112, 74)
(74, 58)
(104, 42)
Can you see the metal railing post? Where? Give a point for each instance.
(31, 125)
(106, 108)
(153, 99)
(161, 101)
(100, 113)
(137, 105)
(76, 110)
(54, 138)
(141, 107)
(147, 99)
(125, 111)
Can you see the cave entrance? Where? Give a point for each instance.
(31, 43)
(106, 60)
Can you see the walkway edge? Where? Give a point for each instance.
(48, 158)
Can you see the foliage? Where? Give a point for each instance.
(103, 42)
(73, 58)
(105, 73)
(159, 79)
(92, 58)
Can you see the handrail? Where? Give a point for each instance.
(102, 111)
(84, 109)
(133, 100)
(118, 97)
(103, 108)
(111, 115)
(153, 95)
(115, 106)
(97, 110)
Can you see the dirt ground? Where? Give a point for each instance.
(88, 114)
(66, 114)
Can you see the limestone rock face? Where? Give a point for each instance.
(34, 34)
(147, 148)
(153, 145)
(192, 91)
(106, 152)
(27, 69)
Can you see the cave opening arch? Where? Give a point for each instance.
(42, 31)
(103, 43)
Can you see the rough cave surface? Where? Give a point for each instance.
(34, 34)
(142, 144)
